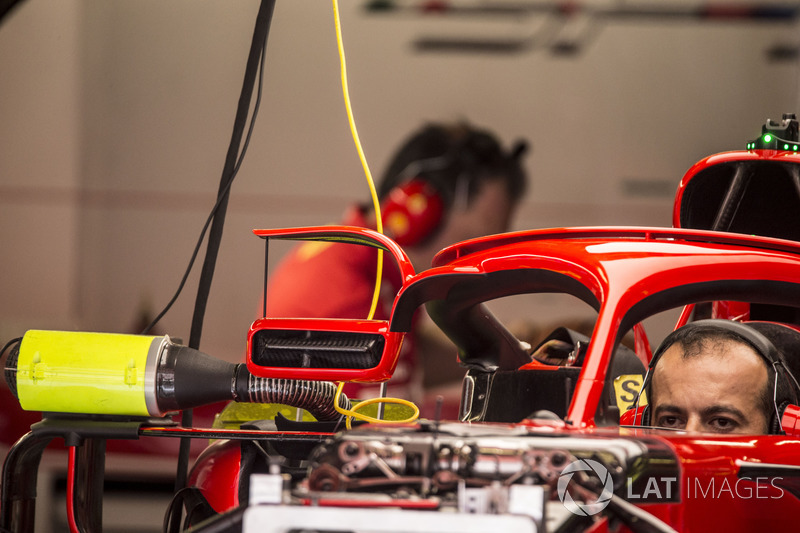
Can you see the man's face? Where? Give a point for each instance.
(717, 390)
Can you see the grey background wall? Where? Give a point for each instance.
(115, 119)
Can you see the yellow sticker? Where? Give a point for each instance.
(309, 249)
(626, 387)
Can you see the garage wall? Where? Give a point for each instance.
(40, 153)
(116, 116)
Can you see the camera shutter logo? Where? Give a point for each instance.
(589, 508)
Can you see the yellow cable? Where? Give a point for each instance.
(370, 181)
(352, 413)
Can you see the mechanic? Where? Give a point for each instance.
(718, 376)
(446, 183)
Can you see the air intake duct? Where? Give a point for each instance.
(137, 375)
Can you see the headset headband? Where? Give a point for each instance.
(466, 157)
(755, 339)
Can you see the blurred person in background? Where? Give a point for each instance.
(446, 183)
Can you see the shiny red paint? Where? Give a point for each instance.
(727, 158)
(621, 267)
(216, 474)
(393, 340)
(624, 273)
(714, 498)
(346, 234)
(381, 372)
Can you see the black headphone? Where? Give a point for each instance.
(415, 198)
(747, 334)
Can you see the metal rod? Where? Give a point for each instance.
(381, 405)
(266, 275)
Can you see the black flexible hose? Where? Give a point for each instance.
(187, 378)
(316, 397)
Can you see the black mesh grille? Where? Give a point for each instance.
(316, 349)
(11, 370)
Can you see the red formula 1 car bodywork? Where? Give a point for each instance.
(538, 445)
(691, 483)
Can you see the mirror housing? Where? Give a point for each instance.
(330, 349)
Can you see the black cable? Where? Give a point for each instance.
(220, 197)
(257, 52)
(7, 6)
(733, 197)
(255, 63)
(175, 508)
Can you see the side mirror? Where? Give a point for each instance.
(325, 349)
